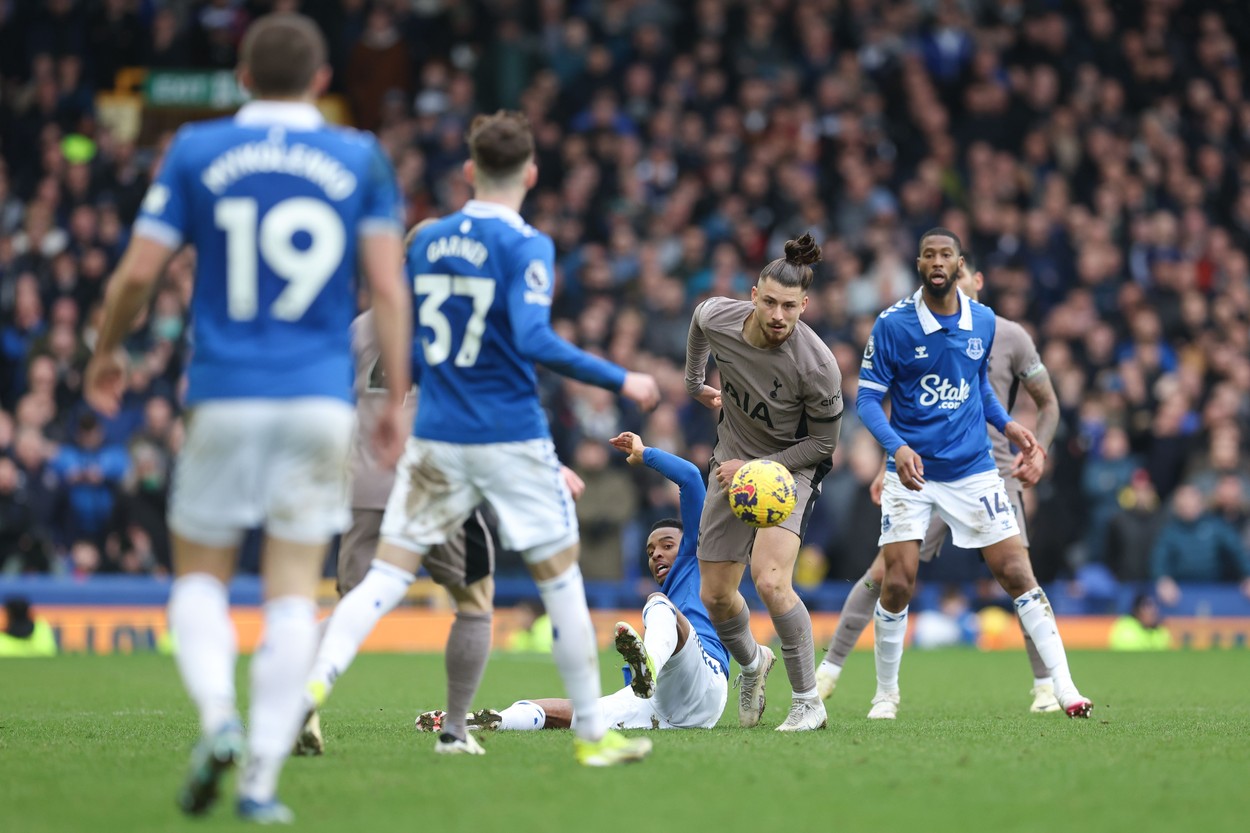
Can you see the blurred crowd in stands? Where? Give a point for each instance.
(1093, 155)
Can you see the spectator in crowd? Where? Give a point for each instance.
(1092, 155)
(21, 548)
(1108, 469)
(90, 472)
(1132, 532)
(1142, 629)
(23, 634)
(1196, 545)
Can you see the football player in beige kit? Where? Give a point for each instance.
(1014, 363)
(780, 399)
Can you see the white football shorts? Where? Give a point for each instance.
(976, 508)
(438, 485)
(280, 463)
(690, 693)
(931, 546)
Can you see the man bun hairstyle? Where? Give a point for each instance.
(282, 51)
(500, 144)
(943, 232)
(795, 268)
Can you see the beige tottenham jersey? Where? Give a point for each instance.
(1013, 359)
(371, 484)
(783, 403)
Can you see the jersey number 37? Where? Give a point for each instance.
(436, 289)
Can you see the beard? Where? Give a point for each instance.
(938, 291)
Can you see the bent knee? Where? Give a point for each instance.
(718, 601)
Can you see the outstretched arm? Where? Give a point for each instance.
(529, 311)
(682, 472)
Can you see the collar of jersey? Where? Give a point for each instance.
(930, 325)
(297, 115)
(484, 210)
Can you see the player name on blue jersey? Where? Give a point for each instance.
(274, 202)
(483, 280)
(936, 375)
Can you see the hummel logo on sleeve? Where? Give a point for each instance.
(922, 352)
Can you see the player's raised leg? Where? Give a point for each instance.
(1009, 562)
(665, 632)
(355, 616)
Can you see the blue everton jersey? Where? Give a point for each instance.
(274, 202)
(483, 280)
(940, 396)
(681, 583)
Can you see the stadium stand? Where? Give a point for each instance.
(1093, 155)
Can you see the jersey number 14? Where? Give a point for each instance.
(436, 289)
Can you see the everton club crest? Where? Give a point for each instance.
(975, 349)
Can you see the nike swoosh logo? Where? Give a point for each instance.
(719, 360)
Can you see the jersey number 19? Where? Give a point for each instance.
(306, 270)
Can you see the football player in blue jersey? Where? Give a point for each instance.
(483, 280)
(679, 668)
(282, 210)
(930, 352)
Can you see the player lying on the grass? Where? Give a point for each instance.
(465, 565)
(929, 352)
(1013, 362)
(679, 666)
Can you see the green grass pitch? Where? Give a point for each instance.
(99, 743)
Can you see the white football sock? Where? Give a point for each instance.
(523, 716)
(1038, 621)
(354, 618)
(660, 636)
(205, 646)
(1039, 681)
(889, 631)
(754, 665)
(574, 649)
(279, 669)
